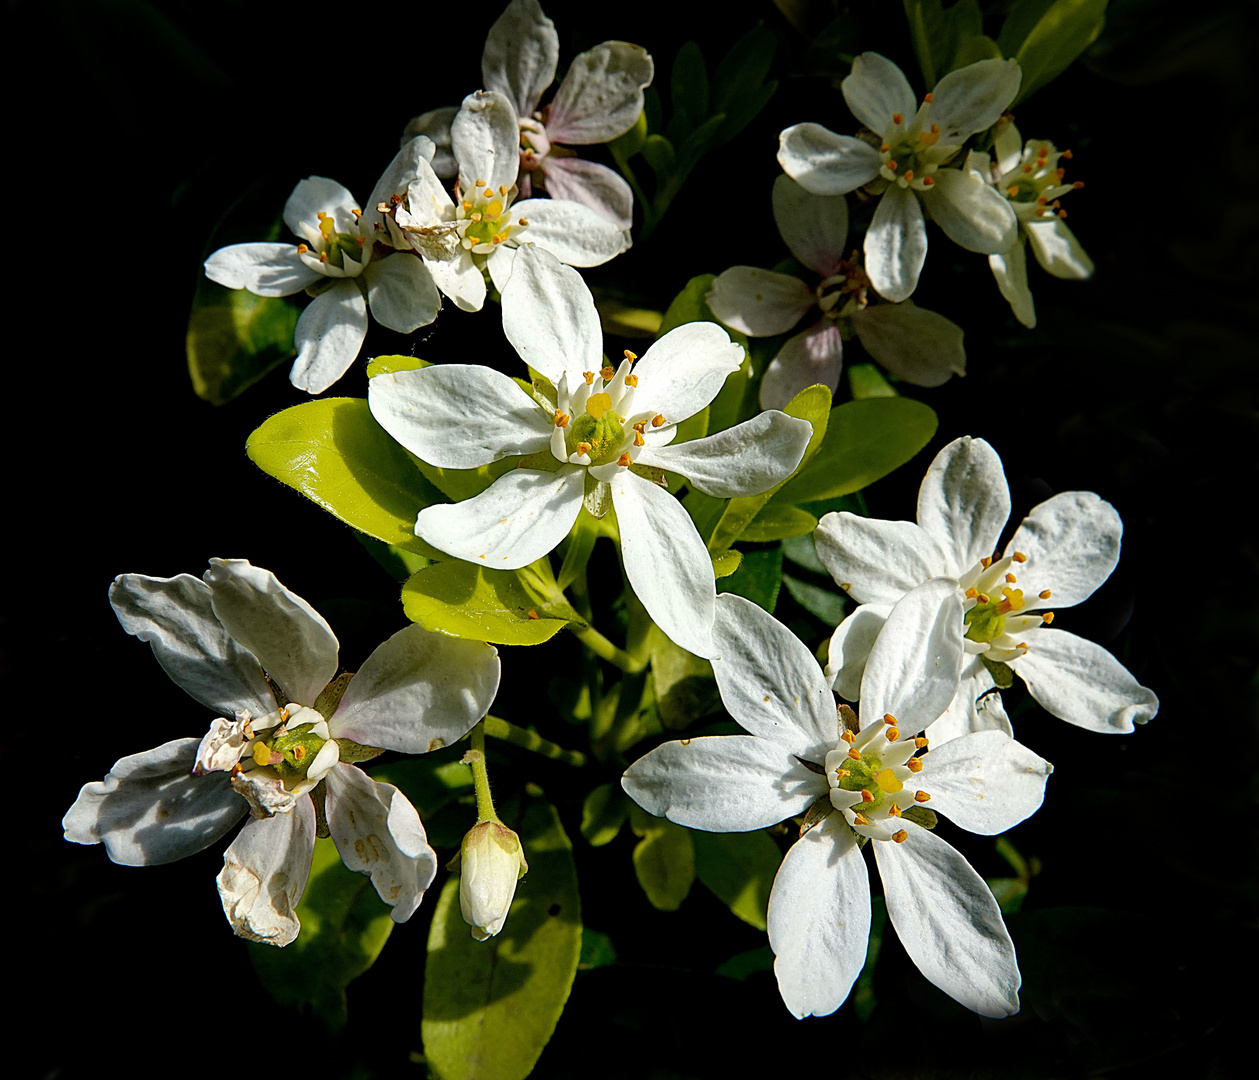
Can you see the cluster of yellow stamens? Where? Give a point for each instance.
(484, 219)
(912, 152)
(844, 292)
(335, 253)
(1036, 183)
(868, 774)
(992, 627)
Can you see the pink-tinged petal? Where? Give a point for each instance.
(150, 808)
(896, 244)
(315, 195)
(758, 302)
(973, 98)
(1078, 681)
(601, 97)
(417, 692)
(291, 640)
(722, 783)
(458, 416)
(876, 90)
(516, 520)
(964, 503)
(414, 156)
(435, 125)
(573, 233)
(971, 213)
(592, 185)
(814, 227)
(401, 293)
(264, 875)
(850, 648)
(984, 782)
(264, 269)
(949, 922)
(819, 919)
(378, 832)
(328, 337)
(521, 52)
(486, 140)
(1057, 249)
(825, 163)
(814, 357)
(877, 561)
(914, 344)
(685, 370)
(1010, 271)
(1072, 543)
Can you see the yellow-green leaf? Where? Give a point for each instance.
(603, 813)
(664, 859)
(779, 521)
(234, 338)
(740, 869)
(470, 601)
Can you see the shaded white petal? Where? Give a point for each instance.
(175, 616)
(592, 185)
(984, 782)
(685, 369)
(414, 157)
(850, 648)
(418, 691)
(328, 337)
(973, 98)
(573, 233)
(819, 919)
(1072, 543)
(949, 922)
(150, 809)
(876, 89)
(520, 55)
(458, 416)
(265, 269)
(972, 213)
(460, 279)
(516, 520)
(378, 832)
(914, 344)
(291, 640)
(1057, 249)
(601, 96)
(877, 561)
(814, 227)
(486, 140)
(759, 302)
(435, 125)
(499, 263)
(264, 874)
(825, 163)
(1010, 270)
(1008, 147)
(814, 357)
(1078, 681)
(428, 199)
(316, 194)
(722, 783)
(401, 293)
(973, 707)
(964, 503)
(896, 244)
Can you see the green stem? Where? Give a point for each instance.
(480, 779)
(506, 731)
(602, 647)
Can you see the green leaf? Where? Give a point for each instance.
(800, 550)
(867, 381)
(744, 67)
(758, 578)
(743, 964)
(865, 440)
(388, 365)
(660, 156)
(234, 338)
(863, 990)
(826, 605)
(664, 859)
(726, 563)
(333, 452)
(739, 868)
(471, 601)
(779, 522)
(688, 84)
(344, 927)
(1050, 36)
(682, 682)
(490, 1006)
(597, 950)
(603, 813)
(626, 146)
(429, 781)
(927, 30)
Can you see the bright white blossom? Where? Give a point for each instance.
(1061, 552)
(600, 98)
(491, 861)
(339, 263)
(243, 645)
(604, 441)
(914, 344)
(906, 166)
(856, 784)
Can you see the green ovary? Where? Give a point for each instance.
(984, 622)
(603, 434)
(863, 775)
(298, 748)
(493, 223)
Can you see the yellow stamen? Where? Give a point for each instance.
(859, 819)
(921, 742)
(607, 371)
(1011, 579)
(891, 734)
(589, 376)
(914, 764)
(625, 460)
(657, 421)
(866, 796)
(1046, 594)
(900, 836)
(1018, 556)
(561, 419)
(898, 118)
(848, 736)
(631, 380)
(854, 754)
(583, 448)
(922, 796)
(1047, 618)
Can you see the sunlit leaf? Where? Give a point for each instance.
(234, 338)
(826, 605)
(603, 813)
(681, 682)
(758, 578)
(779, 522)
(1050, 36)
(739, 868)
(664, 859)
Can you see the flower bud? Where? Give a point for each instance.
(491, 862)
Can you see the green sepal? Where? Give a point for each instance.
(739, 868)
(1002, 674)
(664, 859)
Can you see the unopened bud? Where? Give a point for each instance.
(491, 862)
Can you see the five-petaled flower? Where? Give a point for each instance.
(603, 441)
(856, 783)
(240, 643)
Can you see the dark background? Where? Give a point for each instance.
(137, 125)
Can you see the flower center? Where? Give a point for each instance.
(844, 292)
(1035, 185)
(337, 252)
(993, 625)
(484, 219)
(593, 424)
(534, 145)
(911, 152)
(870, 773)
(289, 751)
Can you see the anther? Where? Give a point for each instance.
(1042, 201)
(323, 256)
(638, 438)
(1060, 173)
(1018, 556)
(984, 599)
(589, 376)
(891, 734)
(657, 420)
(583, 448)
(1078, 184)
(842, 773)
(866, 796)
(921, 742)
(1027, 168)
(900, 836)
(855, 755)
(1014, 190)
(1062, 213)
(1047, 618)
(631, 356)
(479, 183)
(488, 193)
(892, 165)
(607, 372)
(523, 222)
(859, 819)
(893, 810)
(299, 752)
(921, 796)
(631, 380)
(889, 719)
(1011, 579)
(914, 764)
(898, 118)
(502, 190)
(929, 99)
(561, 419)
(986, 562)
(1046, 594)
(1068, 154)
(848, 736)
(625, 460)
(909, 175)
(884, 148)
(927, 182)
(302, 249)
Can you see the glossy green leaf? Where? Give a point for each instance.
(826, 605)
(1050, 36)
(664, 859)
(779, 521)
(726, 563)
(333, 452)
(660, 156)
(682, 683)
(739, 868)
(490, 1006)
(603, 814)
(758, 578)
(387, 365)
(429, 781)
(234, 338)
(344, 927)
(867, 381)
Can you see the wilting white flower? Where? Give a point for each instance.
(337, 261)
(491, 861)
(603, 442)
(856, 785)
(243, 645)
(906, 166)
(1061, 552)
(600, 98)
(911, 342)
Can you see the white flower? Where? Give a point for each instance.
(607, 435)
(1032, 178)
(243, 645)
(1060, 553)
(800, 759)
(491, 861)
(912, 343)
(906, 164)
(483, 225)
(338, 253)
(600, 98)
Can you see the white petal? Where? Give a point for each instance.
(819, 919)
(914, 344)
(965, 713)
(949, 922)
(685, 369)
(1072, 543)
(769, 680)
(1078, 681)
(401, 293)
(150, 809)
(175, 617)
(414, 156)
(876, 89)
(814, 357)
(460, 279)
(458, 416)
(746, 459)
(435, 125)
(516, 520)
(601, 96)
(520, 55)
(486, 140)
(573, 233)
(264, 269)
(759, 302)
(964, 503)
(825, 163)
(877, 561)
(1008, 147)
(666, 562)
(378, 832)
(418, 691)
(499, 263)
(264, 874)
(1010, 270)
(973, 98)
(972, 213)
(722, 783)
(592, 185)
(291, 640)
(549, 316)
(814, 227)
(1057, 249)
(896, 244)
(328, 337)
(850, 648)
(316, 194)
(984, 782)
